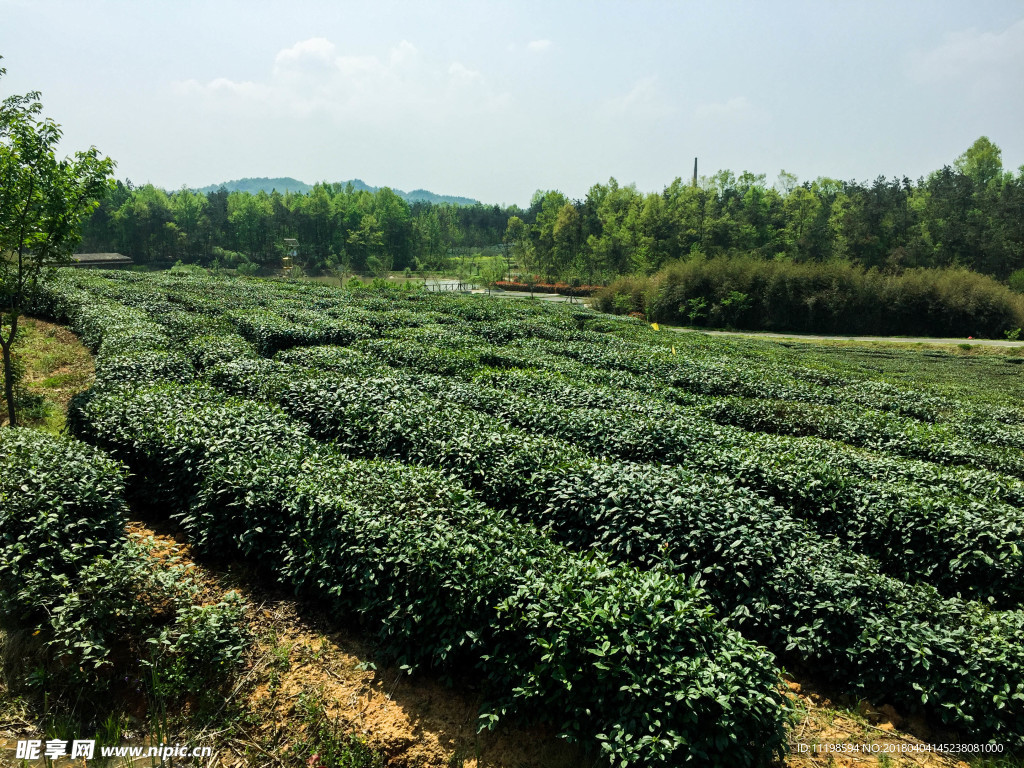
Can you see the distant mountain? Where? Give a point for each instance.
(282, 185)
(288, 184)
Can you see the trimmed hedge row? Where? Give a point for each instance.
(61, 507)
(708, 364)
(97, 616)
(784, 585)
(820, 490)
(633, 661)
(563, 289)
(969, 659)
(961, 545)
(829, 497)
(269, 332)
(759, 400)
(815, 403)
(568, 393)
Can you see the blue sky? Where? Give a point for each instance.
(495, 100)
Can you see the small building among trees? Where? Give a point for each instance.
(100, 261)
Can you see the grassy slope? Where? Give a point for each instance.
(56, 368)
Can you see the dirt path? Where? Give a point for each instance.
(814, 337)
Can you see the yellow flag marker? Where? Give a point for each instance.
(654, 326)
(673, 350)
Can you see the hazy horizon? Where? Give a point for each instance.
(494, 101)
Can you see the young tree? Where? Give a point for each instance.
(492, 273)
(43, 201)
(514, 241)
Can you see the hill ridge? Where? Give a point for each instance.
(284, 184)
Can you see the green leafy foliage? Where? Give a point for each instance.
(100, 614)
(448, 583)
(835, 297)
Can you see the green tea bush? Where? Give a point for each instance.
(574, 423)
(61, 507)
(792, 589)
(101, 616)
(647, 673)
(961, 545)
(270, 332)
(206, 352)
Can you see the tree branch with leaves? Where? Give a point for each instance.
(43, 202)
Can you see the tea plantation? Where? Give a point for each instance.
(620, 532)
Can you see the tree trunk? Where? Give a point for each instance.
(9, 375)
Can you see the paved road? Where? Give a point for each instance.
(554, 297)
(812, 337)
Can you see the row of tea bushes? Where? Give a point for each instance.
(937, 479)
(848, 423)
(757, 370)
(860, 413)
(815, 481)
(269, 332)
(95, 616)
(942, 443)
(969, 658)
(766, 402)
(285, 320)
(633, 661)
(783, 584)
(960, 544)
(975, 556)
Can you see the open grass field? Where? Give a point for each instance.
(633, 538)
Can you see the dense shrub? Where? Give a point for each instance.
(100, 616)
(820, 297)
(776, 526)
(61, 507)
(783, 582)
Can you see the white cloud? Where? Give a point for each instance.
(460, 73)
(538, 45)
(316, 49)
(220, 88)
(314, 77)
(986, 59)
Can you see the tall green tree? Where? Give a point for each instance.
(143, 224)
(43, 201)
(366, 244)
(250, 216)
(982, 162)
(189, 211)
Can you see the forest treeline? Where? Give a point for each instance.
(968, 214)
